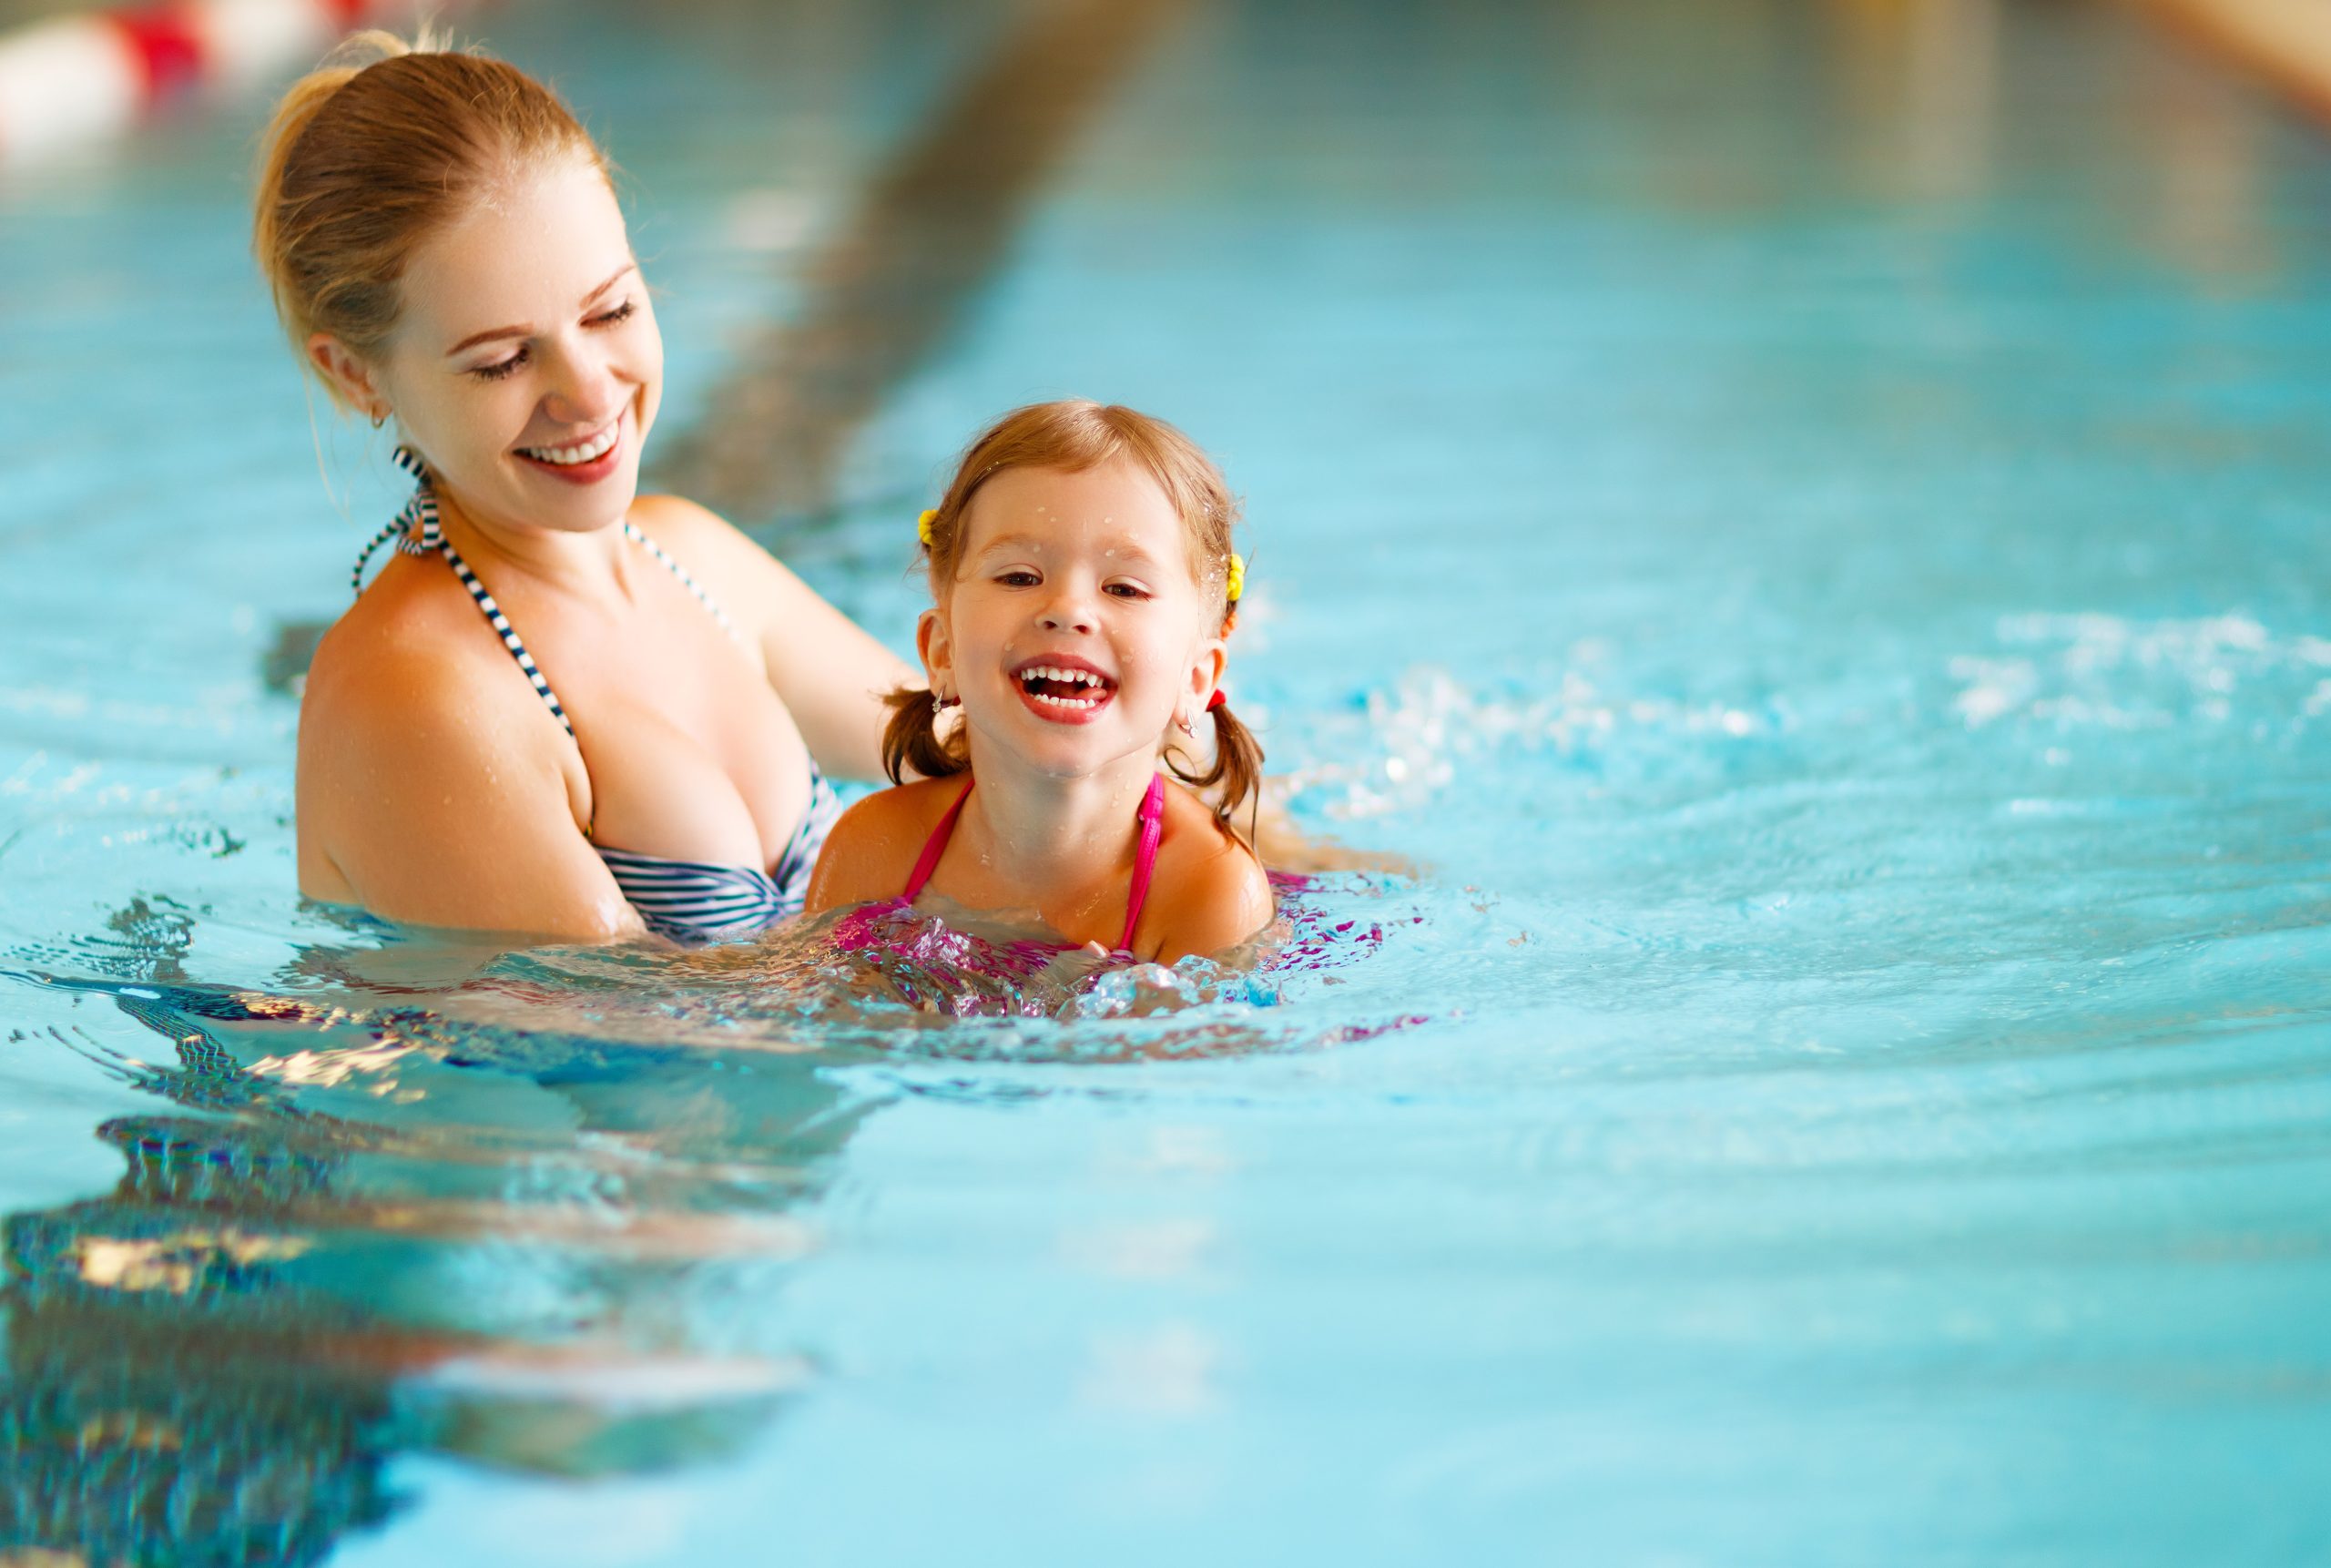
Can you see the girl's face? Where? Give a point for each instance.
(1074, 631)
(526, 367)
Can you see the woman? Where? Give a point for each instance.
(563, 708)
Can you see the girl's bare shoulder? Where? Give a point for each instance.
(873, 845)
(1210, 892)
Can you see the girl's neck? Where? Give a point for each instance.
(590, 565)
(1051, 835)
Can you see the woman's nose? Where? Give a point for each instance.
(583, 389)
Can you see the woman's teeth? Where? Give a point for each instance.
(596, 447)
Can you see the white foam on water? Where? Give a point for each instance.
(2088, 670)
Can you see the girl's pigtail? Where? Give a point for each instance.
(911, 739)
(1238, 766)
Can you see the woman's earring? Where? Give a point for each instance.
(941, 704)
(1182, 722)
(379, 418)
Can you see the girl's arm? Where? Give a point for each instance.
(831, 673)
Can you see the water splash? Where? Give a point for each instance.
(2087, 671)
(1408, 743)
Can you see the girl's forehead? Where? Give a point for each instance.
(1115, 502)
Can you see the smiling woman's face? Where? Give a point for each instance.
(526, 366)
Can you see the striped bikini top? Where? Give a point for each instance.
(686, 900)
(1151, 817)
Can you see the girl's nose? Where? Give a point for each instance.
(1068, 610)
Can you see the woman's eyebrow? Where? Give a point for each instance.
(492, 333)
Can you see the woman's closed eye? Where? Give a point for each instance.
(501, 367)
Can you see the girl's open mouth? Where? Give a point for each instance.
(1064, 692)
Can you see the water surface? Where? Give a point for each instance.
(1802, 520)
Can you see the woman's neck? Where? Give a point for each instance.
(591, 566)
(1051, 836)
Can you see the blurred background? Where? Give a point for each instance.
(1803, 519)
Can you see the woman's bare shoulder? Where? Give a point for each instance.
(701, 537)
(410, 684)
(873, 846)
(408, 633)
(751, 581)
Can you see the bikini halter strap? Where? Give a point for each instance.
(1145, 856)
(431, 536)
(1152, 816)
(418, 532)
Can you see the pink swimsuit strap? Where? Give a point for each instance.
(1152, 818)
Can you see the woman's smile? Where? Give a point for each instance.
(587, 460)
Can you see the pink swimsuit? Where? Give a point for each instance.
(1152, 816)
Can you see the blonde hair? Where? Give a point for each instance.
(1072, 435)
(371, 154)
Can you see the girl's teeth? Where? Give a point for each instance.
(595, 447)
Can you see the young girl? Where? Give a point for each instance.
(1085, 587)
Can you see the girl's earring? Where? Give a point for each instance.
(379, 418)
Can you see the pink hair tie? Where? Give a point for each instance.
(1215, 701)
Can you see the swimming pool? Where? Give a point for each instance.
(1804, 519)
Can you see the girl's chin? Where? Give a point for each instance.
(1066, 752)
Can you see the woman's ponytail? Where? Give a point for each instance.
(368, 155)
(911, 740)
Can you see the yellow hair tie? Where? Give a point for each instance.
(1235, 583)
(923, 528)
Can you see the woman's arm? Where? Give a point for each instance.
(831, 675)
(429, 801)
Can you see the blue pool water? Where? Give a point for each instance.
(1804, 523)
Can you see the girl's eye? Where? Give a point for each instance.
(500, 368)
(1017, 579)
(1127, 590)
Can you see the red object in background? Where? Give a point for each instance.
(166, 45)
